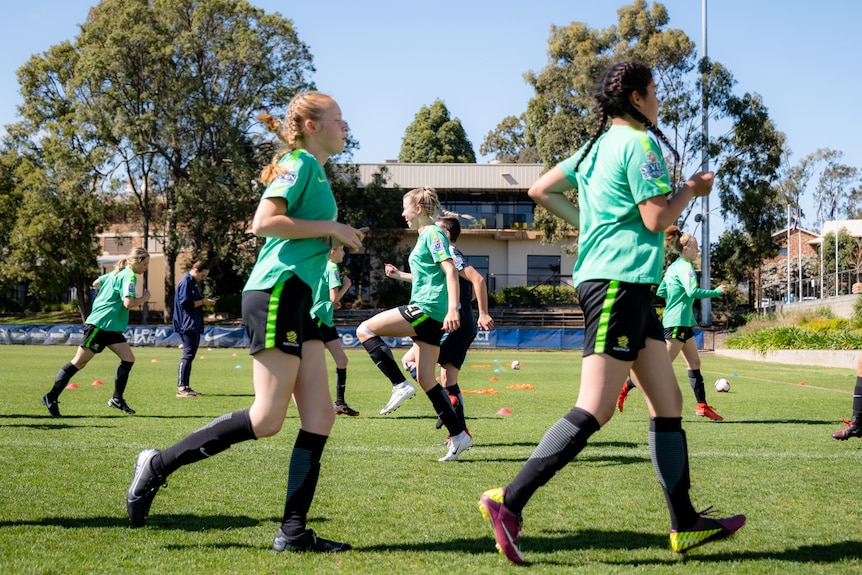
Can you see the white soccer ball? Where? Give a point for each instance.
(516, 364)
(722, 385)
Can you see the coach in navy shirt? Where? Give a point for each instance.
(189, 322)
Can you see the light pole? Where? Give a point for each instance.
(705, 276)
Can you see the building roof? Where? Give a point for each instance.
(484, 177)
(854, 227)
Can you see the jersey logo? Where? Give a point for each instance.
(622, 344)
(321, 180)
(286, 178)
(652, 169)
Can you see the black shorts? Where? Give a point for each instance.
(327, 332)
(682, 333)
(96, 339)
(280, 317)
(453, 348)
(428, 329)
(619, 318)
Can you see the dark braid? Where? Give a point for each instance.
(612, 93)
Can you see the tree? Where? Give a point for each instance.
(508, 143)
(434, 138)
(834, 191)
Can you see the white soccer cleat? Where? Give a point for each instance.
(458, 445)
(400, 393)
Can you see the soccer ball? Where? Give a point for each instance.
(722, 385)
(516, 364)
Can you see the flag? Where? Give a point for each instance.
(796, 219)
(819, 205)
(832, 207)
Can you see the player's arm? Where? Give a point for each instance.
(453, 318)
(394, 273)
(548, 192)
(480, 291)
(659, 212)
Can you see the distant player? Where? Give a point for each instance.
(105, 327)
(854, 427)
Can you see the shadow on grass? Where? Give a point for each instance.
(590, 539)
(159, 522)
(779, 422)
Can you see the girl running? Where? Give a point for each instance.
(297, 216)
(432, 311)
(105, 327)
(624, 205)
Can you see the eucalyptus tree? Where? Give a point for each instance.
(435, 138)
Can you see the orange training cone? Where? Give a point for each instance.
(97, 382)
(504, 411)
(72, 386)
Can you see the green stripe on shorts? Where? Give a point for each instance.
(605, 317)
(271, 315)
(93, 335)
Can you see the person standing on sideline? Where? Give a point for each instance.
(335, 286)
(679, 288)
(189, 322)
(432, 311)
(105, 327)
(453, 349)
(854, 426)
(624, 205)
(297, 216)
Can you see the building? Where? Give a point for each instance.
(499, 241)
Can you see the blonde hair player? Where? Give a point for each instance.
(297, 216)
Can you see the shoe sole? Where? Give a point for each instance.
(719, 535)
(397, 404)
(502, 533)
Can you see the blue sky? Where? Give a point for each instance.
(384, 60)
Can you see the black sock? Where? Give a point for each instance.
(213, 438)
(561, 443)
(121, 378)
(340, 384)
(695, 380)
(455, 391)
(630, 384)
(64, 376)
(382, 357)
(302, 481)
(669, 454)
(440, 400)
(857, 403)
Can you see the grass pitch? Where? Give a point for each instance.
(63, 480)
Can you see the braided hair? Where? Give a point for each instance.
(304, 106)
(612, 93)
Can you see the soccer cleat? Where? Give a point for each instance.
(308, 541)
(458, 445)
(705, 410)
(187, 392)
(142, 491)
(842, 434)
(344, 409)
(705, 530)
(624, 395)
(53, 406)
(507, 525)
(400, 393)
(121, 405)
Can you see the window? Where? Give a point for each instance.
(782, 251)
(543, 270)
(480, 263)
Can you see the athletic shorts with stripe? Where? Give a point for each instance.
(428, 329)
(618, 318)
(682, 333)
(96, 339)
(280, 317)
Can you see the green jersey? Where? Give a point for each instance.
(679, 288)
(303, 185)
(323, 307)
(428, 289)
(624, 168)
(109, 313)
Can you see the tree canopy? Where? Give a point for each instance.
(434, 138)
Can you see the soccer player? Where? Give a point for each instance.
(105, 327)
(453, 349)
(297, 216)
(188, 321)
(433, 310)
(854, 426)
(679, 288)
(334, 287)
(624, 205)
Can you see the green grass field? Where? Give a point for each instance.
(63, 480)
